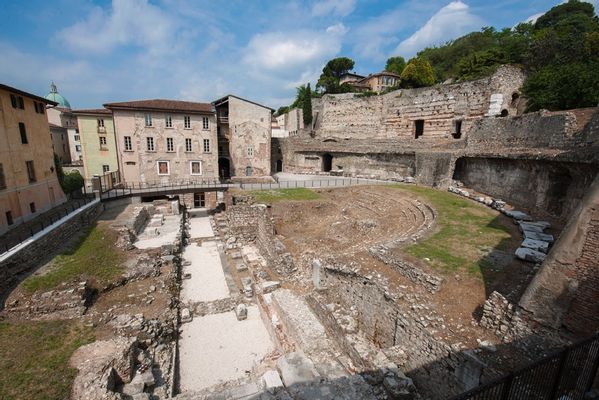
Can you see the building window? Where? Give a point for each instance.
(13, 101)
(102, 142)
(195, 168)
(77, 148)
(30, 171)
(23, 133)
(9, 219)
(21, 103)
(150, 143)
(105, 168)
(100, 123)
(168, 121)
(77, 138)
(458, 129)
(148, 119)
(163, 167)
(188, 146)
(32, 207)
(206, 145)
(187, 121)
(169, 144)
(248, 171)
(418, 128)
(250, 151)
(128, 146)
(205, 123)
(130, 163)
(2, 178)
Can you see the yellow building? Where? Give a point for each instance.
(98, 143)
(28, 182)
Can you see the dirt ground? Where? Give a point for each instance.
(345, 222)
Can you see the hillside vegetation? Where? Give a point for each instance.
(560, 53)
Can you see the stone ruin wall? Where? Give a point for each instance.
(392, 115)
(18, 266)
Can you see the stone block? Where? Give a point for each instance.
(270, 286)
(537, 245)
(396, 388)
(295, 368)
(518, 215)
(141, 396)
(132, 388)
(186, 315)
(530, 255)
(532, 226)
(146, 378)
(543, 237)
(271, 380)
(241, 312)
(241, 267)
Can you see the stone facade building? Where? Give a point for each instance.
(98, 141)
(60, 142)
(165, 141)
(28, 181)
(244, 138)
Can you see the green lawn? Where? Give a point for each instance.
(34, 359)
(270, 196)
(94, 257)
(466, 232)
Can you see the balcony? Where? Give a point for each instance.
(101, 129)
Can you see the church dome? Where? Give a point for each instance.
(57, 97)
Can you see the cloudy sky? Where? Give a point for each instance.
(103, 51)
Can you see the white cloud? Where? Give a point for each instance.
(533, 18)
(450, 22)
(129, 22)
(340, 8)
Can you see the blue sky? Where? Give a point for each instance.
(103, 51)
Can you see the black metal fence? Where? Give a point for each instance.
(566, 375)
(20, 233)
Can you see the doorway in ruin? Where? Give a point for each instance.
(224, 168)
(327, 162)
(279, 167)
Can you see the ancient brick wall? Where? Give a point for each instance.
(19, 265)
(392, 115)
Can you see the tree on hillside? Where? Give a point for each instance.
(395, 65)
(418, 73)
(307, 107)
(332, 71)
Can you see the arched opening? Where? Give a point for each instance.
(515, 97)
(504, 113)
(327, 162)
(279, 166)
(224, 168)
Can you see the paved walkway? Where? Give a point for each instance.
(215, 348)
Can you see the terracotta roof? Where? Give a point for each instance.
(93, 111)
(162, 105)
(22, 93)
(384, 73)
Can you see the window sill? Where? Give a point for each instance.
(170, 151)
(128, 151)
(187, 129)
(163, 174)
(168, 127)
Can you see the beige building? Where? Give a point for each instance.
(244, 136)
(60, 142)
(378, 82)
(165, 141)
(28, 182)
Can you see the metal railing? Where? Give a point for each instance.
(565, 375)
(21, 233)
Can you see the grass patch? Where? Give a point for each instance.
(93, 257)
(467, 231)
(270, 196)
(34, 359)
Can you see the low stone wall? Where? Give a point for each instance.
(19, 265)
(388, 321)
(430, 282)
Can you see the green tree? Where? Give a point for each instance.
(307, 107)
(300, 95)
(395, 65)
(282, 110)
(332, 71)
(417, 73)
(72, 181)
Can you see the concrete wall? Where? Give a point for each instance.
(19, 193)
(141, 165)
(94, 156)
